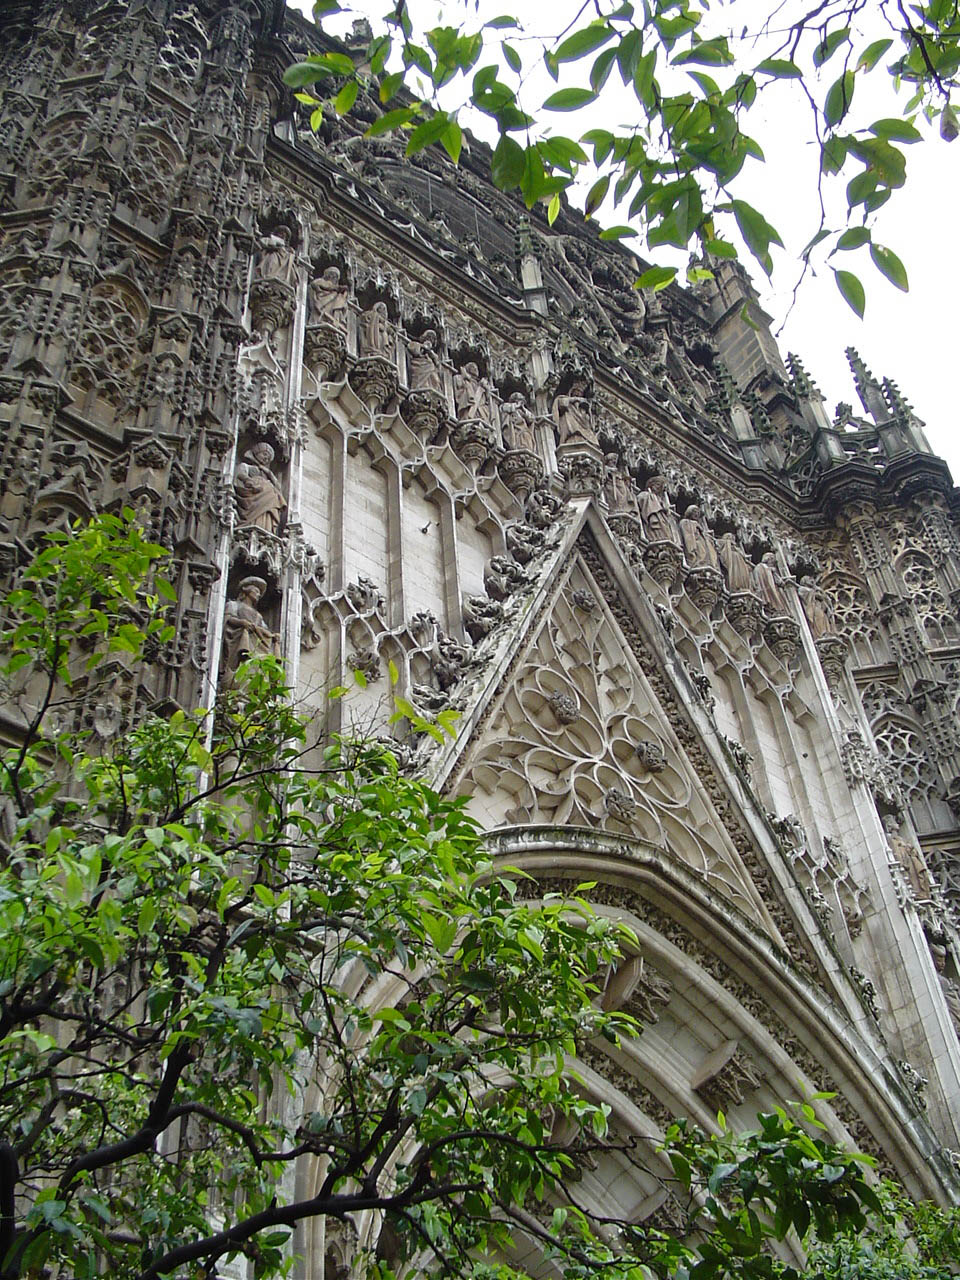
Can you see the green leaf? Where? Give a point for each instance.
(617, 233)
(720, 248)
(507, 164)
(757, 233)
(583, 42)
(872, 54)
(898, 130)
(346, 97)
(569, 99)
(302, 73)
(452, 141)
(513, 58)
(390, 120)
(829, 45)
(853, 238)
(656, 278)
(852, 290)
(838, 99)
(890, 266)
(596, 195)
(428, 132)
(389, 85)
(781, 68)
(553, 210)
(600, 71)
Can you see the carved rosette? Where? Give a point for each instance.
(521, 471)
(783, 637)
(424, 412)
(564, 706)
(651, 756)
(704, 586)
(324, 350)
(832, 651)
(662, 560)
(473, 442)
(271, 305)
(375, 381)
(743, 610)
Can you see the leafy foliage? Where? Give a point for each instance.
(234, 962)
(690, 90)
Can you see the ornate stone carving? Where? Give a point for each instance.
(481, 616)
(367, 662)
(564, 706)
(503, 577)
(324, 350)
(365, 595)
(521, 471)
(651, 756)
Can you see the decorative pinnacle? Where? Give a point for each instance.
(868, 388)
(803, 385)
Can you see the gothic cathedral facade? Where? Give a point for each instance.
(702, 636)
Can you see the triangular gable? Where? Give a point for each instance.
(577, 725)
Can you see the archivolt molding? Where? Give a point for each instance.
(732, 975)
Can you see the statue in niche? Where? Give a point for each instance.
(259, 500)
(656, 510)
(469, 393)
(817, 607)
(699, 548)
(278, 261)
(425, 371)
(571, 413)
(911, 859)
(767, 581)
(376, 331)
(950, 989)
(621, 495)
(736, 566)
(245, 631)
(517, 422)
(329, 298)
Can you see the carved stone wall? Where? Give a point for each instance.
(389, 422)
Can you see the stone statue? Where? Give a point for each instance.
(656, 510)
(699, 548)
(910, 858)
(621, 495)
(425, 371)
(517, 420)
(278, 261)
(328, 299)
(767, 581)
(245, 631)
(571, 413)
(259, 500)
(375, 327)
(469, 393)
(817, 607)
(950, 989)
(736, 566)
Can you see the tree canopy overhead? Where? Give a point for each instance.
(682, 93)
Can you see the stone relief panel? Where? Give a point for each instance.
(579, 739)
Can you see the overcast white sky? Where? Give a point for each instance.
(908, 337)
